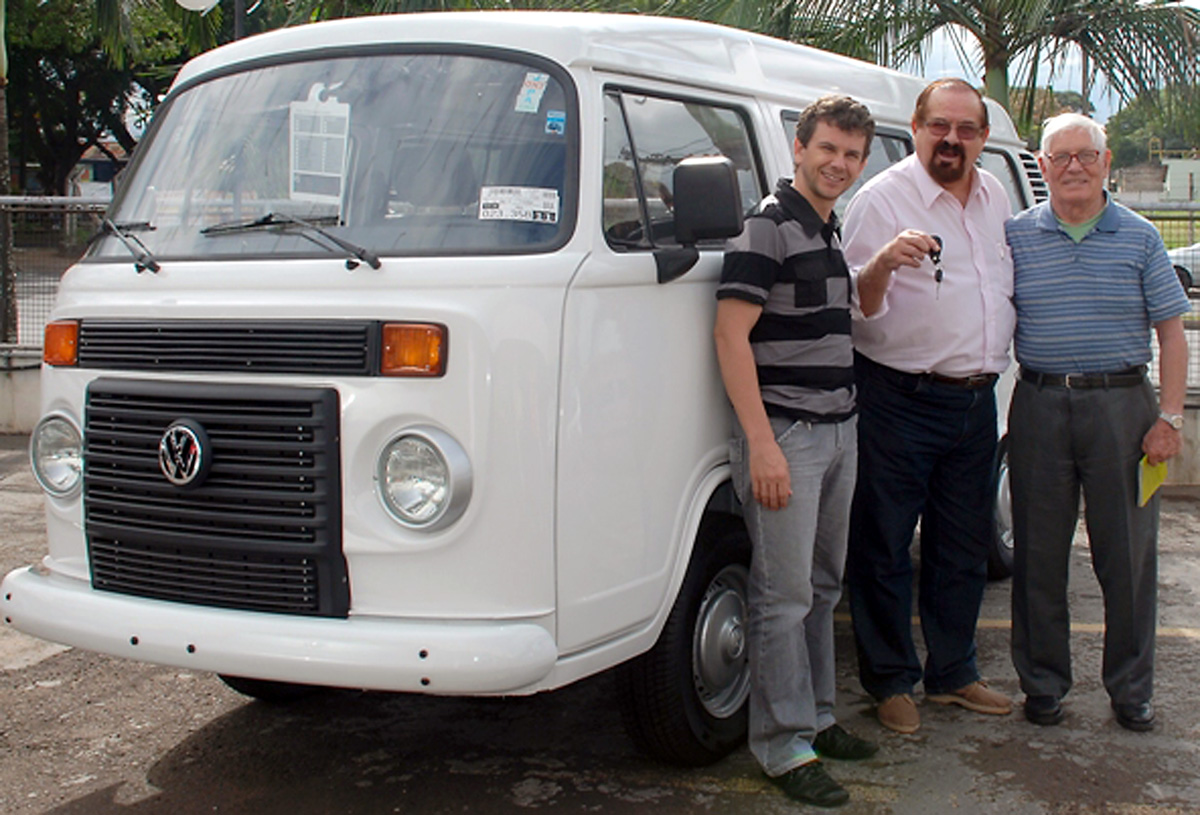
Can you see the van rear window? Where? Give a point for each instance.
(400, 154)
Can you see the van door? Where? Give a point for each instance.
(644, 416)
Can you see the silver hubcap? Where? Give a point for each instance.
(1004, 520)
(719, 653)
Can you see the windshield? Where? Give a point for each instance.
(396, 153)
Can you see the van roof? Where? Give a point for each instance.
(664, 48)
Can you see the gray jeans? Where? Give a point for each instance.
(795, 582)
(1061, 441)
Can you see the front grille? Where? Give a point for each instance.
(267, 346)
(259, 530)
(1036, 181)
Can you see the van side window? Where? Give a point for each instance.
(645, 137)
(1000, 165)
(888, 148)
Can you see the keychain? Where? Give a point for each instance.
(938, 273)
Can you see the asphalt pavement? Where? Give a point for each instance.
(86, 734)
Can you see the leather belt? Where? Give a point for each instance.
(910, 381)
(972, 382)
(1127, 378)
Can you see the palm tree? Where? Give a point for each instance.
(1136, 45)
(115, 26)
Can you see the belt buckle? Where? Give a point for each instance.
(1078, 377)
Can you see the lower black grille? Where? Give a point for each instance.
(260, 526)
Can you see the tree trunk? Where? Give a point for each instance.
(995, 78)
(8, 287)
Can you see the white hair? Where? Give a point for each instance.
(1073, 121)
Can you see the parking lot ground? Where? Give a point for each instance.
(83, 734)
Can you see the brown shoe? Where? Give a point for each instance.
(977, 697)
(899, 713)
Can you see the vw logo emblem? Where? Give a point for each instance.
(183, 453)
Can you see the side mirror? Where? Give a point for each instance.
(708, 206)
(1185, 278)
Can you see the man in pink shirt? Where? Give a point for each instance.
(932, 326)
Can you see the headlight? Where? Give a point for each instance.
(56, 452)
(424, 478)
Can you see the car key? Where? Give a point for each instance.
(938, 273)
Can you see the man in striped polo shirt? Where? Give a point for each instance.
(1091, 278)
(783, 342)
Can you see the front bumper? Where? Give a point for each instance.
(439, 657)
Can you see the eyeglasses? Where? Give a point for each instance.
(967, 131)
(1085, 157)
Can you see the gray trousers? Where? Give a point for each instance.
(795, 581)
(1061, 440)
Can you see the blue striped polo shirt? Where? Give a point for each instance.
(789, 261)
(1088, 307)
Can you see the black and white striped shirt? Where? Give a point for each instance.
(790, 262)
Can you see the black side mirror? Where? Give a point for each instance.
(1185, 278)
(708, 206)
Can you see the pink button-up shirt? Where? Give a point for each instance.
(963, 327)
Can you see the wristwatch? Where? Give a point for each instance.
(1175, 420)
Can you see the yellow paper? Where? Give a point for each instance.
(1150, 478)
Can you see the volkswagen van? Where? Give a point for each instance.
(391, 367)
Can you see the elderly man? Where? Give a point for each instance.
(932, 334)
(1091, 278)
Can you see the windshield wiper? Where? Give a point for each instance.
(142, 259)
(279, 219)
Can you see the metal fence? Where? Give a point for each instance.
(49, 234)
(1179, 224)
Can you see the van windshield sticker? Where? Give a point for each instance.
(536, 204)
(529, 98)
(556, 122)
(320, 130)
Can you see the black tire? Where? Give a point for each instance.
(685, 700)
(1000, 555)
(269, 691)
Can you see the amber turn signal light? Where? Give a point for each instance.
(60, 345)
(413, 349)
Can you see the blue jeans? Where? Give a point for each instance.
(795, 582)
(925, 449)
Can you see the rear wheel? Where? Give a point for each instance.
(267, 690)
(1000, 556)
(684, 701)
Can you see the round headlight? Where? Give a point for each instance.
(56, 453)
(424, 478)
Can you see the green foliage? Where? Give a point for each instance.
(1170, 115)
(1136, 45)
(64, 93)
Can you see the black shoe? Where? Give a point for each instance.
(810, 784)
(834, 742)
(1043, 710)
(1138, 717)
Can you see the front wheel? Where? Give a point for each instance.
(684, 700)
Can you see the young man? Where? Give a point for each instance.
(783, 342)
(932, 331)
(1091, 279)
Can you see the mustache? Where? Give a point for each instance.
(945, 148)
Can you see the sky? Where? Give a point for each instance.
(943, 61)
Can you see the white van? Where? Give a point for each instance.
(392, 367)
